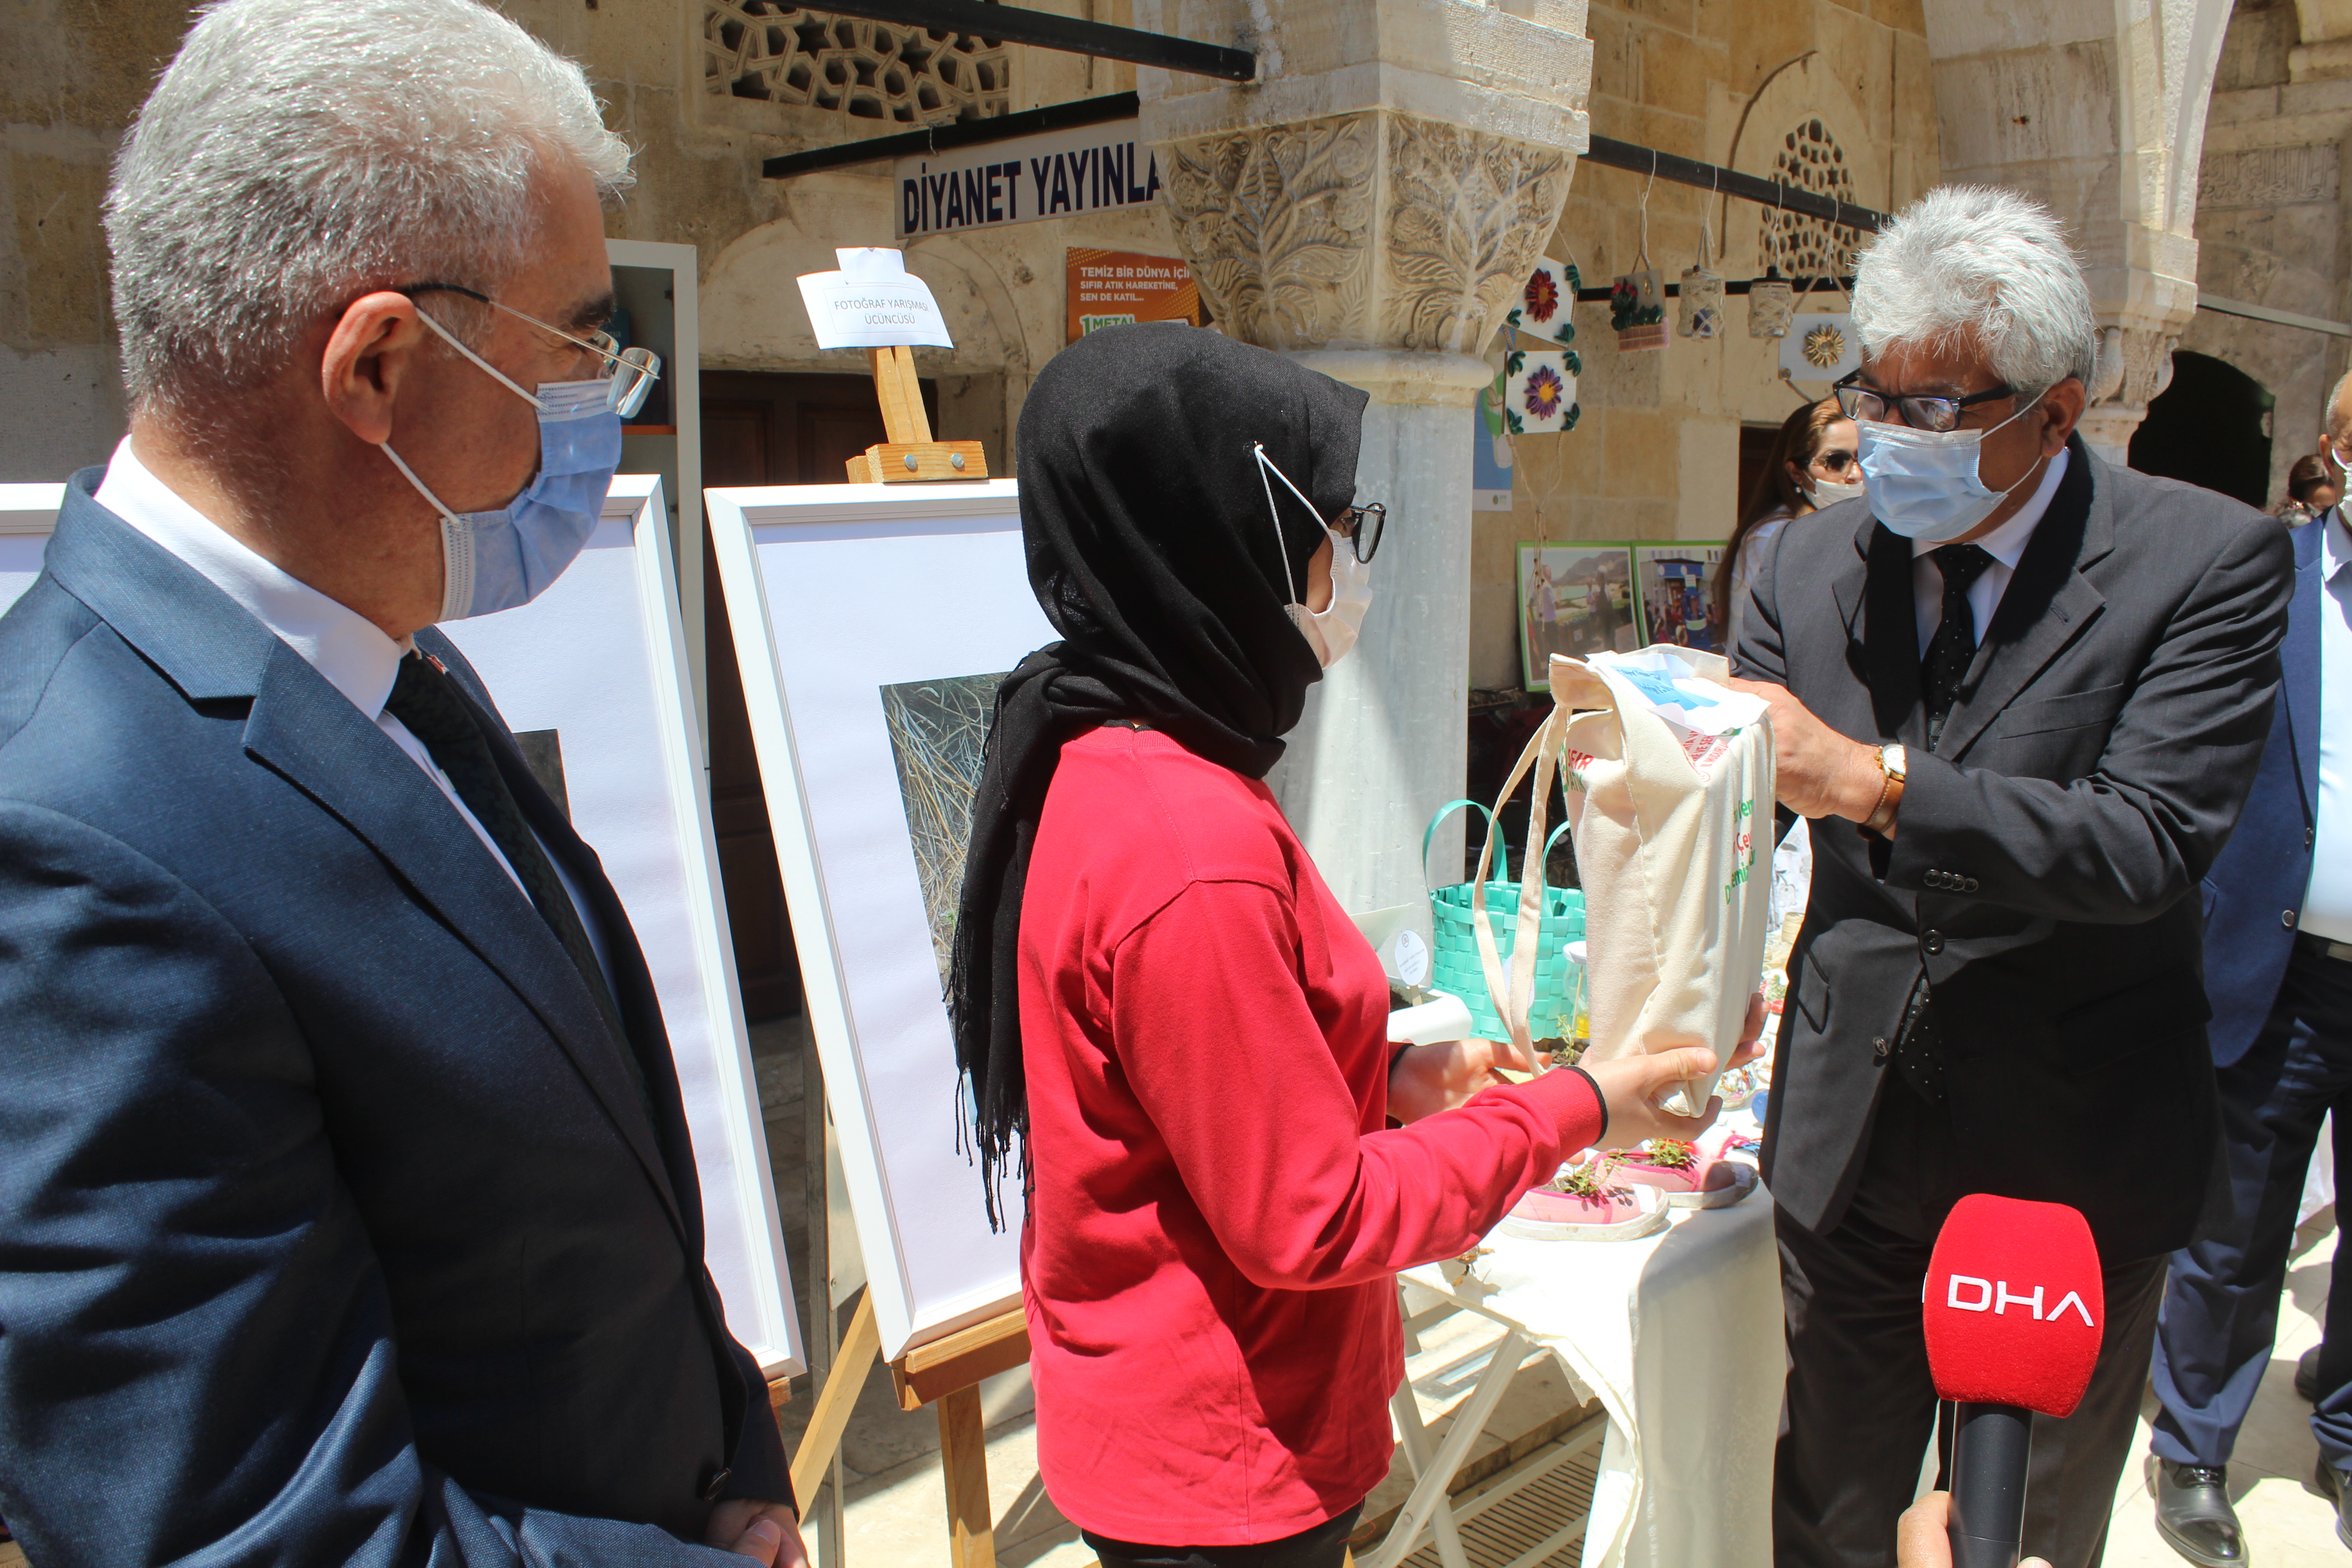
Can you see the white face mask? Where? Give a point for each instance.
(1331, 631)
(1923, 484)
(1829, 492)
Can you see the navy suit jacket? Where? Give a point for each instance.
(2255, 893)
(332, 1228)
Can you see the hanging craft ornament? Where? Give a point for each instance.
(1546, 307)
(1539, 392)
(1534, 391)
(1702, 290)
(1821, 345)
(1770, 300)
(1637, 303)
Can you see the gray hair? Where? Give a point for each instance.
(298, 153)
(1979, 262)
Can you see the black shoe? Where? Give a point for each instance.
(2306, 1376)
(2194, 1516)
(2335, 1485)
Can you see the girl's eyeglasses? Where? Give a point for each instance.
(1361, 527)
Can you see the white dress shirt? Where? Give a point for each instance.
(2006, 545)
(343, 646)
(2327, 903)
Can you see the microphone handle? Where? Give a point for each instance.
(1991, 1444)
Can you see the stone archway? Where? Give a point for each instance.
(2101, 113)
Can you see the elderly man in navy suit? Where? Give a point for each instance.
(347, 1209)
(2278, 969)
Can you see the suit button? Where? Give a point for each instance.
(2286, 919)
(1969, 885)
(1934, 878)
(714, 1479)
(1933, 941)
(1878, 1048)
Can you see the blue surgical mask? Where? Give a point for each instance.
(495, 561)
(1923, 484)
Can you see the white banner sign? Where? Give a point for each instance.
(1055, 175)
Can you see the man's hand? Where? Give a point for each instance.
(750, 1528)
(1923, 1535)
(1820, 772)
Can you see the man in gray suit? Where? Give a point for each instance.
(2036, 687)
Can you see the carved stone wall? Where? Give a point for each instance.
(864, 70)
(1365, 230)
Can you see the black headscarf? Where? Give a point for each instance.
(1149, 546)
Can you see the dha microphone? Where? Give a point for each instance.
(2014, 1312)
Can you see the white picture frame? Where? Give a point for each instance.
(835, 592)
(636, 790)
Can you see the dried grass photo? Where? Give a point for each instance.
(937, 729)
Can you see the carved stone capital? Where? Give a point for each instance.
(1364, 230)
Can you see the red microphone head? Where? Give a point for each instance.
(2013, 1303)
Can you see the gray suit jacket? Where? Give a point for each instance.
(2092, 769)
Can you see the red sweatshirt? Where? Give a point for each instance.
(1217, 1210)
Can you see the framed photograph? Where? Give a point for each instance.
(1677, 582)
(1575, 598)
(869, 729)
(592, 676)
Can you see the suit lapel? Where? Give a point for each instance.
(2046, 605)
(1890, 637)
(2299, 659)
(308, 731)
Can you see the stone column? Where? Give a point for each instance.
(1373, 204)
(2100, 112)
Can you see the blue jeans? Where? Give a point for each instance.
(2220, 1303)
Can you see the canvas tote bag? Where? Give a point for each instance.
(1670, 786)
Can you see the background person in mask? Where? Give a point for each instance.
(2035, 688)
(1175, 1039)
(346, 1213)
(1811, 466)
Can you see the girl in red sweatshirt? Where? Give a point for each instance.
(1160, 1005)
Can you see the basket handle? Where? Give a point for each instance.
(1429, 835)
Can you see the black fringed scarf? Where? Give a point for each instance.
(1149, 546)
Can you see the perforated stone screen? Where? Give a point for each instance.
(866, 70)
(1810, 159)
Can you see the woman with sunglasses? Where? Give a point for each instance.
(1811, 466)
(1170, 1028)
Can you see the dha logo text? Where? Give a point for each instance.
(1994, 1296)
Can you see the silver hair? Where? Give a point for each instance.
(1979, 262)
(298, 153)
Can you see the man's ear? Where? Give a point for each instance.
(2062, 410)
(370, 350)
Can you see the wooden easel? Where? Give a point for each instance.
(909, 456)
(946, 1372)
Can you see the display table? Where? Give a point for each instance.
(1679, 1335)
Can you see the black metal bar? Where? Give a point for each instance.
(1735, 286)
(1681, 171)
(1042, 29)
(961, 133)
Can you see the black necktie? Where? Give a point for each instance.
(1954, 646)
(425, 699)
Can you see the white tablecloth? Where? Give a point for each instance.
(1679, 1335)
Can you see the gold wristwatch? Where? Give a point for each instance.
(1890, 792)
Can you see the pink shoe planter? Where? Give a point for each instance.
(1622, 1213)
(1704, 1184)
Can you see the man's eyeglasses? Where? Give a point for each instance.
(632, 370)
(1361, 527)
(1921, 413)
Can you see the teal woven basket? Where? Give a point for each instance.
(1454, 966)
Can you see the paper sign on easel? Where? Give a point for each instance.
(872, 302)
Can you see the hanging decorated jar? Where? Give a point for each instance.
(1701, 293)
(1771, 303)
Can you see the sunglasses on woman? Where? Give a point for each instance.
(1361, 527)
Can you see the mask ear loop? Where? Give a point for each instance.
(1264, 463)
(450, 338)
